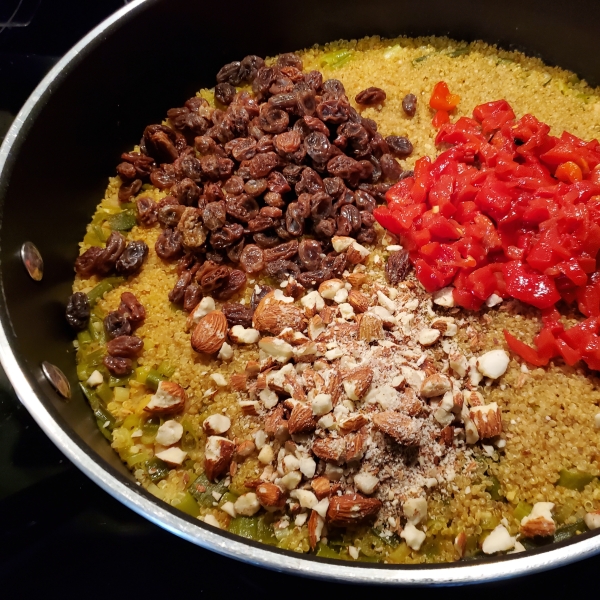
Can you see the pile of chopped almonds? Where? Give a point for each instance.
(365, 400)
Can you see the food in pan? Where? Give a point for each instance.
(307, 303)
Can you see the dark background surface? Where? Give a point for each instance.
(61, 535)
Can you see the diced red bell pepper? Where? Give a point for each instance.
(493, 115)
(529, 286)
(442, 99)
(440, 118)
(524, 351)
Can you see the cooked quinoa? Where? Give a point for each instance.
(548, 414)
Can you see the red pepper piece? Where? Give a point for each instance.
(442, 99)
(524, 351)
(493, 115)
(530, 286)
(440, 118)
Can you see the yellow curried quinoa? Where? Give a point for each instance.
(548, 415)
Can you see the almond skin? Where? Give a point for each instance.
(272, 316)
(358, 301)
(352, 509)
(315, 527)
(538, 527)
(219, 452)
(209, 334)
(353, 423)
(357, 279)
(403, 429)
(270, 495)
(301, 419)
(370, 328)
(321, 487)
(357, 382)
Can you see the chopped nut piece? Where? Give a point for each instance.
(493, 364)
(353, 423)
(219, 379)
(313, 302)
(499, 540)
(212, 521)
(216, 424)
(218, 454)
(245, 449)
(415, 510)
(308, 467)
(446, 326)
(290, 481)
(321, 487)
(270, 495)
(428, 337)
(493, 300)
(321, 404)
(346, 311)
(305, 497)
(301, 419)
(487, 419)
(341, 243)
(352, 509)
(238, 382)
(226, 352)
(172, 456)
(402, 428)
(539, 522)
(169, 433)
(358, 382)
(459, 364)
(316, 327)
(169, 397)
(274, 313)
(240, 335)
(266, 455)
(315, 529)
(356, 253)
(249, 407)
(444, 297)
(328, 289)
(276, 348)
(460, 543)
(229, 509)
(95, 379)
(366, 482)
(414, 538)
(206, 305)
(592, 520)
(358, 301)
(357, 279)
(370, 328)
(268, 398)
(247, 504)
(435, 385)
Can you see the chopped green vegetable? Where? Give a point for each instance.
(522, 510)
(123, 221)
(459, 52)
(420, 59)
(202, 489)
(105, 392)
(96, 329)
(153, 379)
(245, 526)
(84, 337)
(165, 369)
(547, 81)
(128, 206)
(574, 480)
(567, 531)
(136, 459)
(149, 430)
(336, 58)
(187, 504)
(324, 551)
(157, 469)
(118, 381)
(494, 489)
(105, 286)
(400, 554)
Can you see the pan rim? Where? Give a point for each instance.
(185, 527)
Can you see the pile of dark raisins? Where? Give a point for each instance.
(262, 183)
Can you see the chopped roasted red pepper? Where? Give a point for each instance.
(508, 210)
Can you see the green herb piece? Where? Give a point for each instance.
(336, 58)
(522, 510)
(157, 469)
(123, 221)
(202, 489)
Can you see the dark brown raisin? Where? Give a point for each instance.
(125, 346)
(269, 211)
(263, 240)
(78, 311)
(282, 251)
(236, 281)
(132, 308)
(288, 142)
(242, 148)
(227, 236)
(409, 104)
(126, 171)
(334, 111)
(390, 169)
(168, 245)
(146, 211)
(366, 218)
(366, 235)
(317, 146)
(127, 190)
(141, 162)
(397, 267)
(262, 222)
(262, 164)
(177, 294)
(213, 192)
(132, 258)
(343, 166)
(252, 259)
(282, 269)
(244, 207)
(249, 67)
(260, 291)
(290, 59)
(191, 297)
(274, 199)
(169, 215)
(234, 186)
(214, 279)
(118, 366)
(276, 182)
(234, 252)
(262, 81)
(230, 73)
(364, 200)
(237, 314)
(193, 233)
(255, 187)
(294, 221)
(325, 228)
(334, 88)
(273, 119)
(116, 324)
(309, 253)
(161, 143)
(214, 215)
(107, 260)
(352, 214)
(310, 182)
(370, 97)
(321, 206)
(314, 278)
(85, 265)
(283, 101)
(186, 192)
(400, 146)
(162, 179)
(224, 93)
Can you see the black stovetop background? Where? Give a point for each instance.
(60, 534)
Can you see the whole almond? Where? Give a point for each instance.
(358, 301)
(272, 316)
(330, 449)
(370, 328)
(352, 509)
(209, 333)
